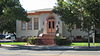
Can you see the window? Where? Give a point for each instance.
(53, 24)
(49, 25)
(23, 25)
(36, 23)
(29, 25)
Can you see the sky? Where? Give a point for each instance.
(37, 4)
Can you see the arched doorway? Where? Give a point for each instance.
(51, 24)
(49, 36)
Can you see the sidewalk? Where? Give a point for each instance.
(38, 47)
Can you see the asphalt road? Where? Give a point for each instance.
(8, 51)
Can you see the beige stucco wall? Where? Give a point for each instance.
(42, 19)
(42, 25)
(20, 33)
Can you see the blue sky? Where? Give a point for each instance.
(37, 4)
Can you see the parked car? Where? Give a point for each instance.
(2, 36)
(10, 36)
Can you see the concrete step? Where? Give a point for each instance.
(48, 39)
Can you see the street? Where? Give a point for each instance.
(10, 51)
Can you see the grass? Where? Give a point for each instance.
(73, 44)
(14, 43)
(85, 44)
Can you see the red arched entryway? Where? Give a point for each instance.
(48, 38)
(51, 25)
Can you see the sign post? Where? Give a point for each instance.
(13, 38)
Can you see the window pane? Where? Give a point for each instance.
(53, 24)
(23, 25)
(36, 24)
(29, 25)
(49, 24)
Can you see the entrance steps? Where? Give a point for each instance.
(48, 39)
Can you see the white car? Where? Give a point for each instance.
(10, 36)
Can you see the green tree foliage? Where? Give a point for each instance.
(72, 10)
(84, 13)
(65, 10)
(90, 13)
(10, 11)
(69, 14)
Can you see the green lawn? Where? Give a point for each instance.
(14, 43)
(73, 44)
(84, 44)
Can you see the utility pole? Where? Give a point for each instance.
(93, 35)
(93, 38)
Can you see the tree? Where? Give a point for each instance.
(10, 11)
(68, 14)
(89, 10)
(84, 13)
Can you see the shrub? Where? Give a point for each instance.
(31, 40)
(62, 41)
(34, 40)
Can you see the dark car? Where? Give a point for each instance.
(2, 36)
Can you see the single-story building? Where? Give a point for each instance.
(46, 24)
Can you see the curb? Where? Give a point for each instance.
(51, 47)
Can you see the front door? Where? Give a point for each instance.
(51, 28)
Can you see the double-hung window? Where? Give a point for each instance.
(29, 25)
(36, 23)
(23, 25)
